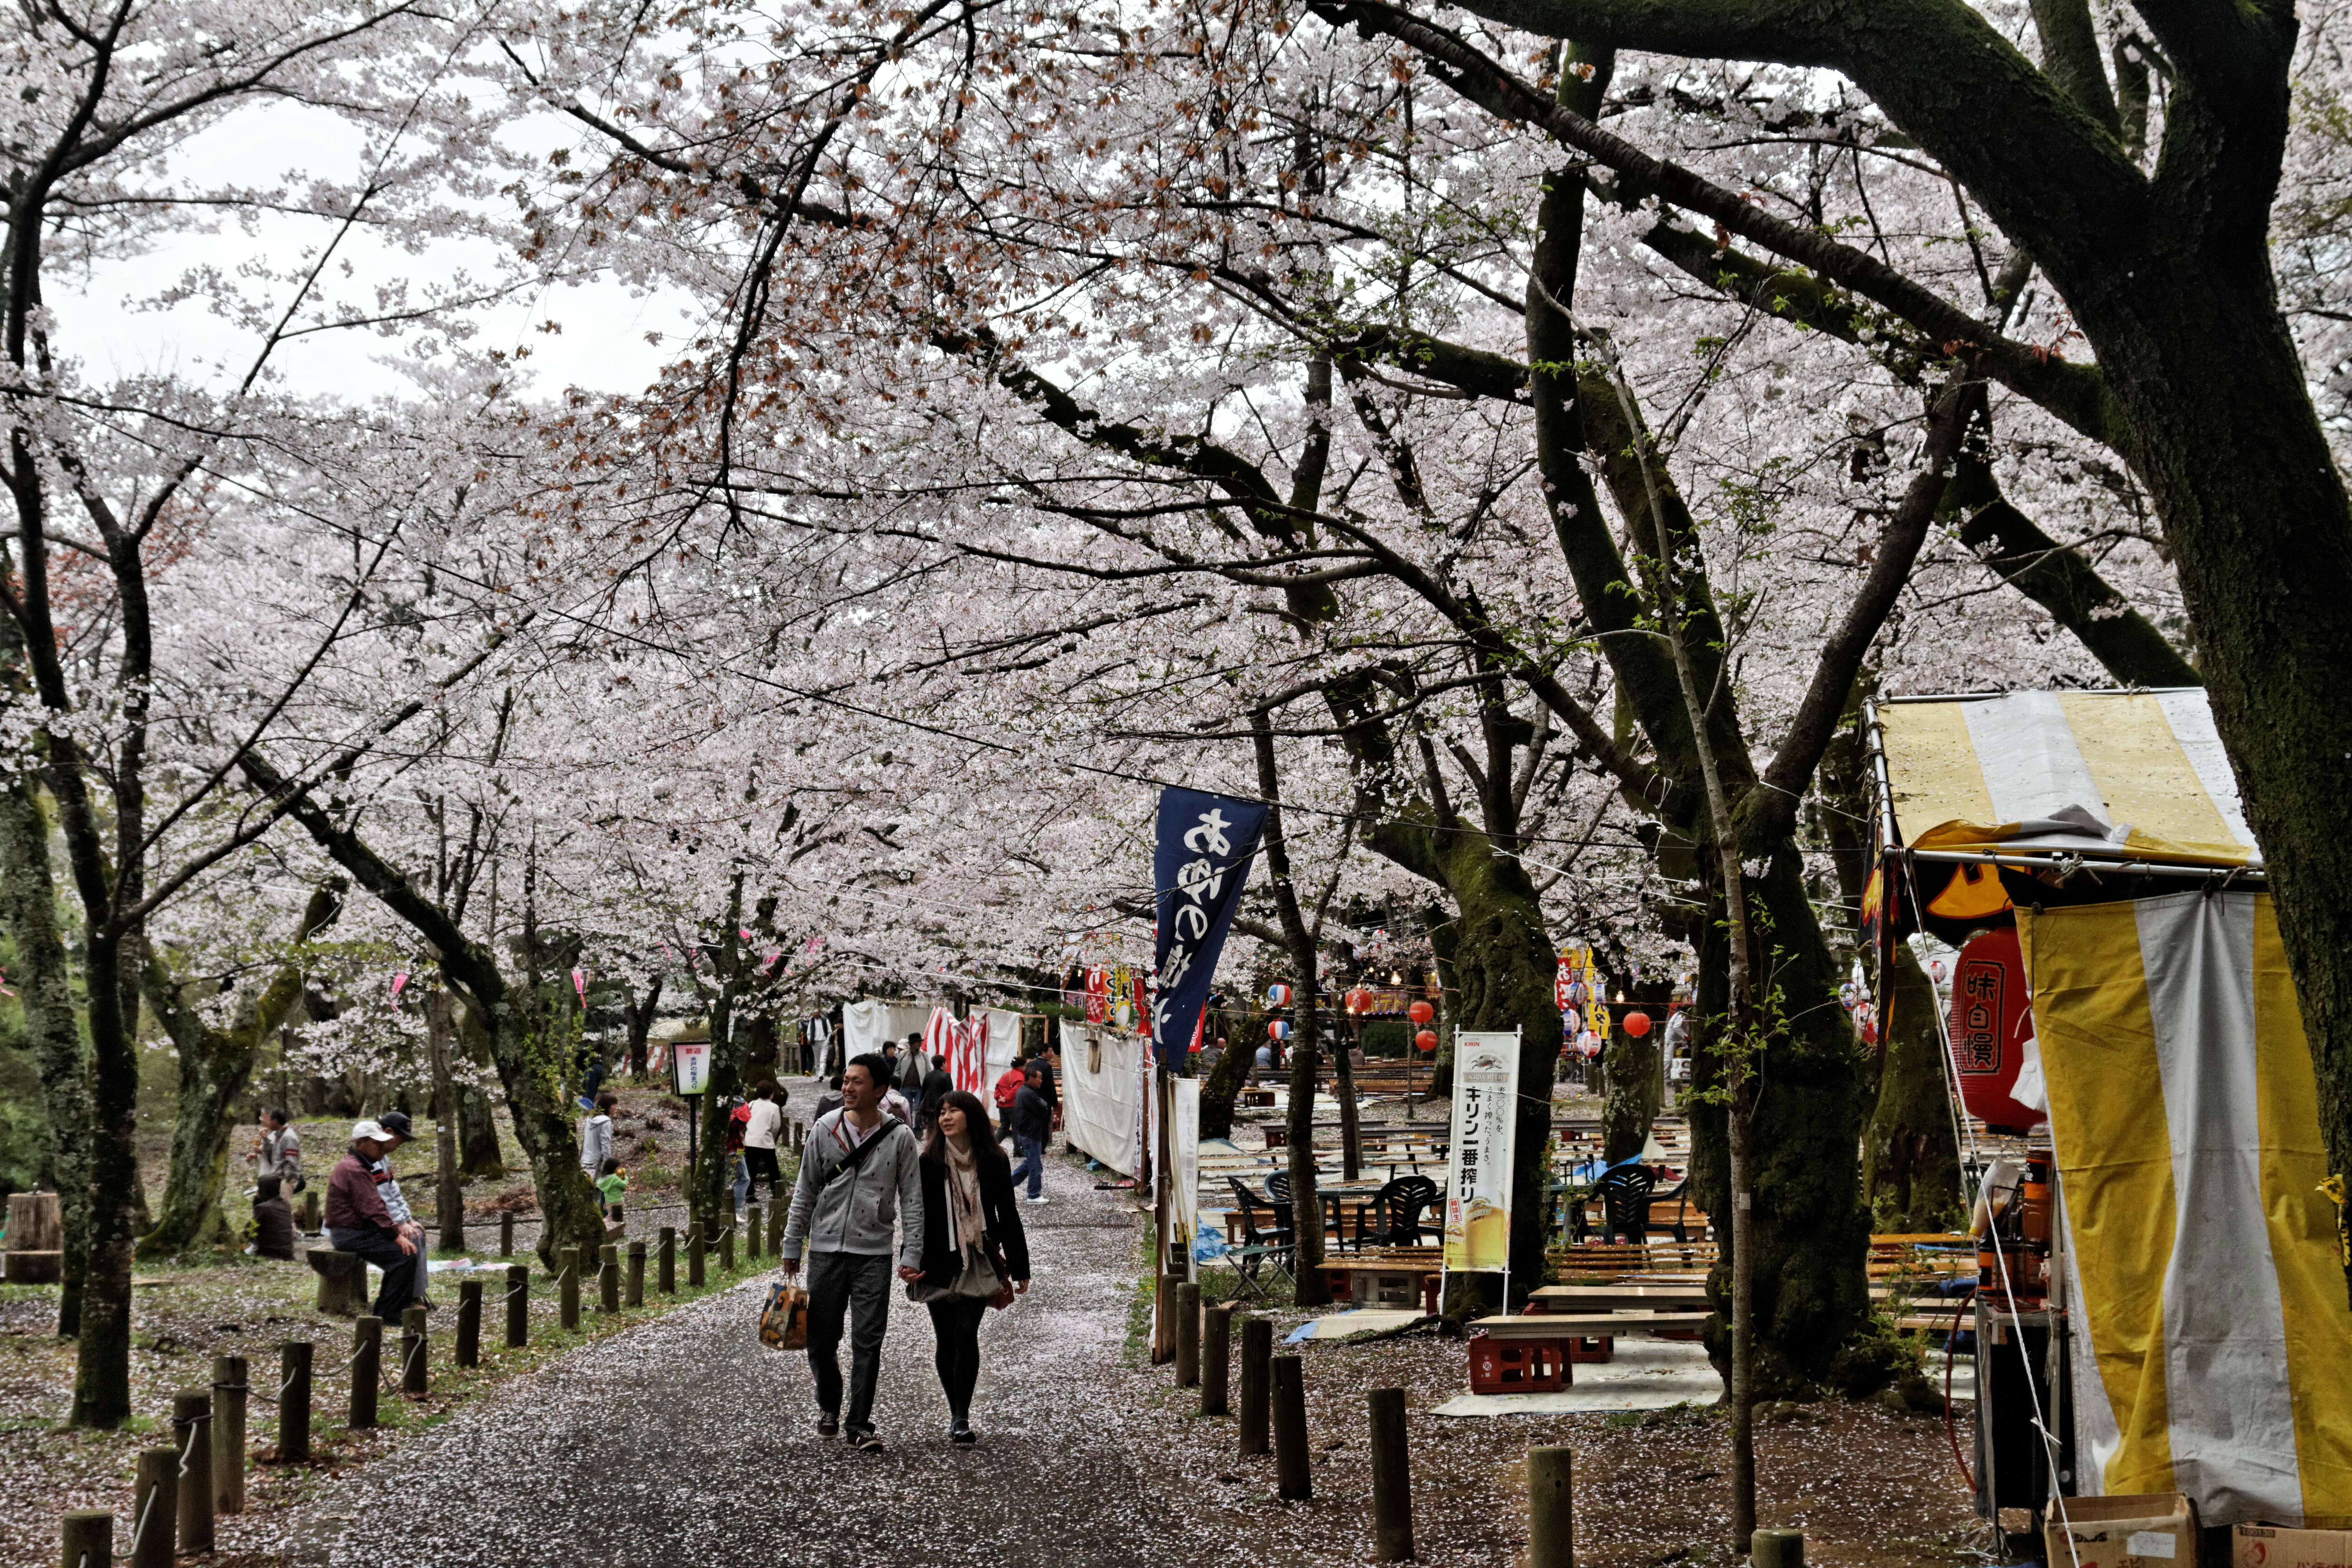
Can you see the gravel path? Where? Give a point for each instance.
(686, 1441)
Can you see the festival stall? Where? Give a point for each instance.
(2161, 1303)
(1104, 1073)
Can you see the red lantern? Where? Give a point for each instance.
(1426, 1039)
(1637, 1024)
(1991, 1021)
(1421, 1012)
(1277, 1030)
(1359, 1000)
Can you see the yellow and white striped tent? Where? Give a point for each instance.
(2213, 1344)
(2123, 774)
(2211, 1341)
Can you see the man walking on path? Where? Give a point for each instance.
(761, 1124)
(358, 1222)
(1032, 1122)
(859, 1170)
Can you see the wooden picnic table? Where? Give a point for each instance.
(1570, 1299)
(1582, 1325)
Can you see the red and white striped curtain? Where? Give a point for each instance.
(959, 1047)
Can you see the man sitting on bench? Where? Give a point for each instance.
(357, 1221)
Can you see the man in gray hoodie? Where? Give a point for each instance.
(858, 1172)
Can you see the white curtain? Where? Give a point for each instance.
(868, 1026)
(1003, 1041)
(1102, 1110)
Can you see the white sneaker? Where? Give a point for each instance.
(1040, 1198)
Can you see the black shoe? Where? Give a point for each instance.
(963, 1436)
(828, 1425)
(866, 1441)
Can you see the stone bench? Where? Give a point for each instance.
(343, 1281)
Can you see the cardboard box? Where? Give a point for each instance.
(2270, 1546)
(2154, 1530)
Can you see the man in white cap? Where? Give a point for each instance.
(358, 1222)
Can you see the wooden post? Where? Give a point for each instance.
(727, 1250)
(567, 1287)
(518, 1300)
(1551, 1509)
(665, 1270)
(1216, 1353)
(1777, 1549)
(634, 1289)
(1291, 1479)
(88, 1539)
(505, 1235)
(367, 1371)
(412, 1352)
(1257, 1362)
(1392, 1478)
(1188, 1335)
(694, 1255)
(752, 1231)
(1163, 1317)
(469, 1322)
(293, 1401)
(154, 1509)
(608, 1280)
(192, 1431)
(228, 1434)
(310, 1212)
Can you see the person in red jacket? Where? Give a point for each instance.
(1008, 1087)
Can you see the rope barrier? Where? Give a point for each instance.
(139, 1532)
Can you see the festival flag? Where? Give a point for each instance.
(1205, 843)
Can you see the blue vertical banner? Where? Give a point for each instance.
(1202, 859)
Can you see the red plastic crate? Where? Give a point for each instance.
(1601, 1348)
(1516, 1366)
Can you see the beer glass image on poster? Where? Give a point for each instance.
(1478, 1169)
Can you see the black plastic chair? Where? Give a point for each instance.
(1260, 1251)
(1680, 1193)
(1396, 1213)
(1625, 1191)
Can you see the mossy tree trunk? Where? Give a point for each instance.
(1636, 1074)
(1910, 1159)
(215, 1066)
(44, 985)
(1221, 1088)
(478, 1155)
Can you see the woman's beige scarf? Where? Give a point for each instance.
(963, 1195)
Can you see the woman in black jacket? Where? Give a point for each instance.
(974, 1254)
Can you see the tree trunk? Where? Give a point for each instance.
(639, 1017)
(1503, 968)
(2261, 535)
(450, 1194)
(216, 1066)
(1298, 1157)
(1811, 1229)
(1910, 1161)
(1352, 1126)
(102, 1361)
(1636, 1074)
(45, 990)
(1222, 1087)
(479, 1156)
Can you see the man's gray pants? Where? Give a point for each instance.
(856, 1283)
